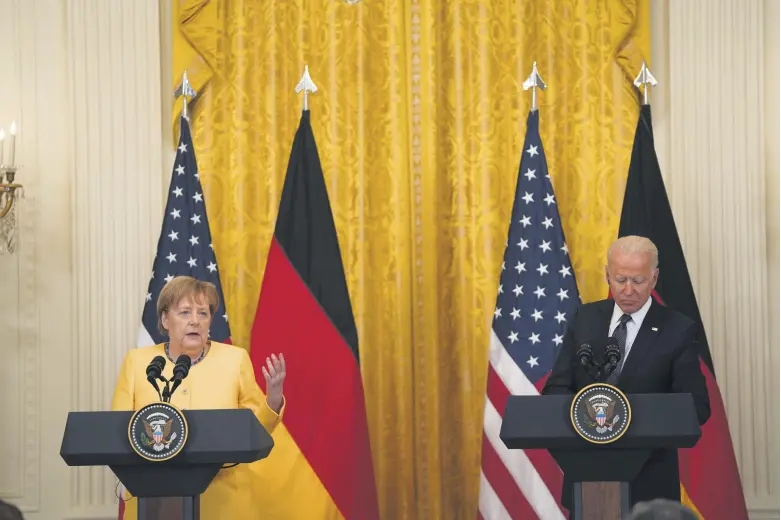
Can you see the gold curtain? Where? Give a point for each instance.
(419, 119)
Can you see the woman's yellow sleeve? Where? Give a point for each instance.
(124, 390)
(252, 397)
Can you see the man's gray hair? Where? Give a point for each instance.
(661, 509)
(635, 244)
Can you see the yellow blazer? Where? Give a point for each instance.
(223, 379)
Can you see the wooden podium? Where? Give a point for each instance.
(601, 473)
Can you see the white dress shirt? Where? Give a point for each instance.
(632, 326)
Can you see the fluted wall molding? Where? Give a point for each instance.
(19, 307)
(82, 80)
(710, 123)
(116, 196)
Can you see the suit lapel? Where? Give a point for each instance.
(605, 313)
(651, 328)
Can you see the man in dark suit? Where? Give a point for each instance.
(658, 354)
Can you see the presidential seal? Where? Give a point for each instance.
(600, 413)
(158, 431)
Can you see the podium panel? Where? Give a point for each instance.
(602, 500)
(167, 489)
(601, 473)
(168, 508)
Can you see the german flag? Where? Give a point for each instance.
(710, 482)
(321, 465)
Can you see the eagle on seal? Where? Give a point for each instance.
(157, 433)
(601, 410)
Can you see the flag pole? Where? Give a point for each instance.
(533, 82)
(307, 85)
(184, 90)
(645, 78)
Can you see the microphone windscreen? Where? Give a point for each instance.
(155, 367)
(612, 350)
(584, 353)
(184, 359)
(182, 367)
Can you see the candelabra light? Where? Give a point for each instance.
(9, 193)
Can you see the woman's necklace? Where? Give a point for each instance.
(194, 361)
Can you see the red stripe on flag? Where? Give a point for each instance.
(325, 413)
(497, 392)
(549, 472)
(539, 385)
(503, 484)
(542, 460)
(709, 471)
(657, 298)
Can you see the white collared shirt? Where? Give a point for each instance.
(632, 326)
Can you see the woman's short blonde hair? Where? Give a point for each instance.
(183, 287)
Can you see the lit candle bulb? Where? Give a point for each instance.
(12, 143)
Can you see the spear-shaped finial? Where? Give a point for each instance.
(533, 82)
(645, 78)
(184, 90)
(307, 85)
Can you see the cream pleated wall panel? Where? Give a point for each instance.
(115, 90)
(713, 139)
(82, 79)
(21, 403)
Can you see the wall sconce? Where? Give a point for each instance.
(8, 193)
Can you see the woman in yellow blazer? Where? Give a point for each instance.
(221, 376)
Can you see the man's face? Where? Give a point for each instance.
(631, 279)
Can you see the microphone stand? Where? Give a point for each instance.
(609, 369)
(166, 391)
(154, 384)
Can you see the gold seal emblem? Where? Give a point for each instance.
(600, 413)
(158, 431)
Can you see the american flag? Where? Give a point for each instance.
(536, 297)
(185, 244)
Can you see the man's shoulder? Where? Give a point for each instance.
(673, 317)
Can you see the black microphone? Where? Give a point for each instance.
(154, 371)
(612, 355)
(612, 352)
(181, 369)
(584, 354)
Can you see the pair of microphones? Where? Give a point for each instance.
(600, 360)
(154, 371)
